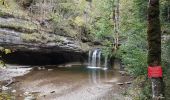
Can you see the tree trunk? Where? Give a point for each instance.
(168, 14)
(116, 24)
(87, 11)
(154, 42)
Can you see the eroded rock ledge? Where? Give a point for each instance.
(32, 44)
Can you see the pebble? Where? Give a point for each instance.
(43, 68)
(122, 73)
(119, 83)
(52, 92)
(30, 98)
(13, 91)
(128, 82)
(26, 93)
(20, 95)
(39, 68)
(4, 88)
(68, 65)
(50, 69)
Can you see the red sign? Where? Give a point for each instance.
(155, 72)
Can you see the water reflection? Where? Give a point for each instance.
(80, 73)
(97, 76)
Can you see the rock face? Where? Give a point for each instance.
(39, 48)
(32, 43)
(23, 35)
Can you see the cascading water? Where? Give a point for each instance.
(99, 59)
(94, 58)
(89, 59)
(105, 63)
(95, 61)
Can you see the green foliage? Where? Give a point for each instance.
(164, 5)
(142, 88)
(133, 52)
(146, 91)
(5, 96)
(3, 2)
(9, 8)
(5, 51)
(107, 50)
(79, 21)
(140, 8)
(166, 65)
(134, 57)
(18, 25)
(34, 37)
(166, 51)
(102, 26)
(165, 44)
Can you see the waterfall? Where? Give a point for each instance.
(89, 58)
(95, 60)
(99, 59)
(105, 63)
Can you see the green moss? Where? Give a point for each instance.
(1, 14)
(12, 8)
(20, 25)
(79, 21)
(71, 33)
(34, 37)
(5, 96)
(42, 38)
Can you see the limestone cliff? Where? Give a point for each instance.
(29, 32)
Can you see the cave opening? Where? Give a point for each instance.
(41, 58)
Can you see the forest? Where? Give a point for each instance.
(114, 42)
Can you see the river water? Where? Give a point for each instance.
(74, 82)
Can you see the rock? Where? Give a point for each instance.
(128, 82)
(96, 42)
(122, 72)
(50, 69)
(34, 39)
(4, 88)
(43, 68)
(20, 95)
(119, 83)
(52, 92)
(13, 91)
(26, 93)
(33, 44)
(60, 66)
(39, 68)
(68, 65)
(30, 98)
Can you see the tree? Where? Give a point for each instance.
(116, 23)
(154, 42)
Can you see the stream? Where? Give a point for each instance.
(66, 82)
